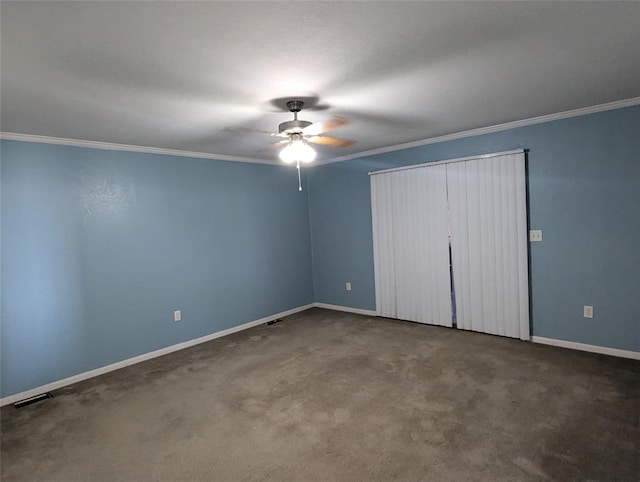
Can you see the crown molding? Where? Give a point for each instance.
(488, 130)
(382, 150)
(14, 136)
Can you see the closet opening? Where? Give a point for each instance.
(453, 289)
(473, 208)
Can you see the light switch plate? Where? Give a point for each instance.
(347, 286)
(588, 311)
(177, 315)
(535, 235)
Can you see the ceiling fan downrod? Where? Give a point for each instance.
(295, 125)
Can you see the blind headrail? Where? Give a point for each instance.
(447, 161)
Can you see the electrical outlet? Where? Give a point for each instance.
(177, 315)
(588, 311)
(535, 235)
(347, 286)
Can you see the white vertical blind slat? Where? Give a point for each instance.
(523, 261)
(383, 246)
(511, 248)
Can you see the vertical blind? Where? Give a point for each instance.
(480, 203)
(411, 245)
(489, 244)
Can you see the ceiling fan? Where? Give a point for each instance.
(298, 134)
(308, 131)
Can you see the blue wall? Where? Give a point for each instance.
(584, 193)
(99, 247)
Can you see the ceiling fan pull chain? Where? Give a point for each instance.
(299, 181)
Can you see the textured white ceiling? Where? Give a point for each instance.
(188, 76)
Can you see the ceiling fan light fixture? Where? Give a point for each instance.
(297, 151)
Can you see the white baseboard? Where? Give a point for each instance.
(180, 346)
(634, 355)
(146, 356)
(347, 309)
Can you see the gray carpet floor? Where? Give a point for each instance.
(331, 396)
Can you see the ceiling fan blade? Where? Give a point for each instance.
(281, 143)
(330, 141)
(247, 130)
(324, 126)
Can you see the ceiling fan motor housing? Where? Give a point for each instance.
(293, 126)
